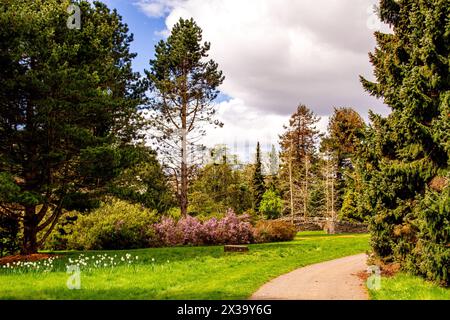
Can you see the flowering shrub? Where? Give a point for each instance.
(168, 233)
(191, 231)
(234, 230)
(211, 232)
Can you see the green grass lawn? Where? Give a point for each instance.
(182, 272)
(407, 287)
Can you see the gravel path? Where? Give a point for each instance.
(331, 280)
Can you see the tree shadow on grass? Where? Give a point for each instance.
(133, 293)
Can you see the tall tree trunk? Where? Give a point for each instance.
(184, 186)
(30, 230)
(305, 195)
(291, 185)
(184, 171)
(333, 214)
(327, 191)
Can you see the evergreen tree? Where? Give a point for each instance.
(68, 108)
(259, 187)
(298, 156)
(408, 150)
(344, 128)
(272, 166)
(144, 183)
(184, 86)
(343, 138)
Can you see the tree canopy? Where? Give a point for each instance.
(184, 84)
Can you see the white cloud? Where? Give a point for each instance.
(244, 126)
(278, 53)
(157, 8)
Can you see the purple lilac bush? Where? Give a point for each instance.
(191, 231)
(168, 233)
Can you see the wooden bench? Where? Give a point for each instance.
(235, 248)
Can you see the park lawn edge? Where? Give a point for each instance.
(405, 286)
(194, 273)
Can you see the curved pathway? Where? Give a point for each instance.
(331, 280)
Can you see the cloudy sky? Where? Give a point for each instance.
(275, 54)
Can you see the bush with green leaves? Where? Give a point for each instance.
(271, 205)
(274, 231)
(115, 225)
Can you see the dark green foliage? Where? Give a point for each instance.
(344, 133)
(317, 197)
(68, 106)
(431, 255)
(408, 150)
(58, 239)
(258, 186)
(81, 202)
(144, 182)
(9, 237)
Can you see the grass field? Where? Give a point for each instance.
(407, 287)
(182, 272)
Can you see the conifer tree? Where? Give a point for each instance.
(341, 143)
(297, 157)
(68, 109)
(408, 151)
(184, 84)
(259, 187)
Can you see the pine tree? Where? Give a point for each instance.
(68, 108)
(184, 86)
(343, 138)
(259, 187)
(408, 150)
(297, 157)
